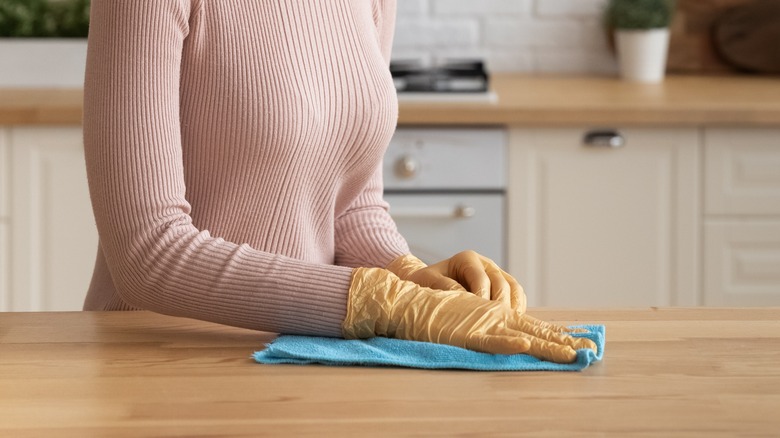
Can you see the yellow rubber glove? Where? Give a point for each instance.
(381, 304)
(465, 270)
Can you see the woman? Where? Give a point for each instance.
(234, 161)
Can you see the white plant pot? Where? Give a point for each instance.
(642, 54)
(42, 62)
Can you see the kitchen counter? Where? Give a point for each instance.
(564, 101)
(666, 372)
(524, 100)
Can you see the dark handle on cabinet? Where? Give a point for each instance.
(605, 138)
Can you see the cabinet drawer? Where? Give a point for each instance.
(436, 228)
(742, 171)
(445, 159)
(742, 263)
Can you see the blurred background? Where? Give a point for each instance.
(543, 36)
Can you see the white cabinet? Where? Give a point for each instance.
(742, 222)
(53, 238)
(596, 226)
(5, 196)
(742, 175)
(742, 263)
(587, 226)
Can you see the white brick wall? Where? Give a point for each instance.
(535, 36)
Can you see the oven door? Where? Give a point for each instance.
(436, 226)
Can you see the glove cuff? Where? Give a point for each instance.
(405, 265)
(368, 303)
(376, 303)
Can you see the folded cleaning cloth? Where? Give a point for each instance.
(395, 352)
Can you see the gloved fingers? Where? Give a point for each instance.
(526, 325)
(508, 343)
(547, 350)
(470, 272)
(550, 326)
(444, 283)
(434, 277)
(500, 289)
(555, 327)
(577, 330)
(503, 287)
(516, 293)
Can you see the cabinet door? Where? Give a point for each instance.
(742, 171)
(742, 263)
(595, 226)
(742, 226)
(5, 246)
(54, 238)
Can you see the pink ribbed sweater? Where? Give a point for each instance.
(234, 155)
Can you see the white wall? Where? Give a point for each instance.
(535, 36)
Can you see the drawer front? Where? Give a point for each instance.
(445, 159)
(742, 263)
(438, 226)
(742, 171)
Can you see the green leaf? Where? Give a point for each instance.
(44, 18)
(639, 14)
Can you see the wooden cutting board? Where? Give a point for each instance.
(748, 37)
(691, 48)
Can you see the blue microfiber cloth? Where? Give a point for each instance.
(395, 352)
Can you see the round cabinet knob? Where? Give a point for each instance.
(406, 167)
(464, 212)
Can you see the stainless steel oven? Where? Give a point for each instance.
(446, 188)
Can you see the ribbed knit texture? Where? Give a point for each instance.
(234, 155)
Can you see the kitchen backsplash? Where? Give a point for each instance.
(536, 36)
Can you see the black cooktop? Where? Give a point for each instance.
(452, 75)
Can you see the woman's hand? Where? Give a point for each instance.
(465, 271)
(381, 304)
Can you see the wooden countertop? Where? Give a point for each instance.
(524, 100)
(560, 101)
(666, 372)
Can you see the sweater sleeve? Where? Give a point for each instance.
(366, 235)
(157, 258)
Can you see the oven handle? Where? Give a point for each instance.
(459, 212)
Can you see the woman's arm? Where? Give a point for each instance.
(158, 260)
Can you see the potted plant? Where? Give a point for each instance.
(43, 42)
(642, 36)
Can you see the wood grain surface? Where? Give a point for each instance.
(692, 48)
(598, 101)
(747, 37)
(666, 372)
(525, 100)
